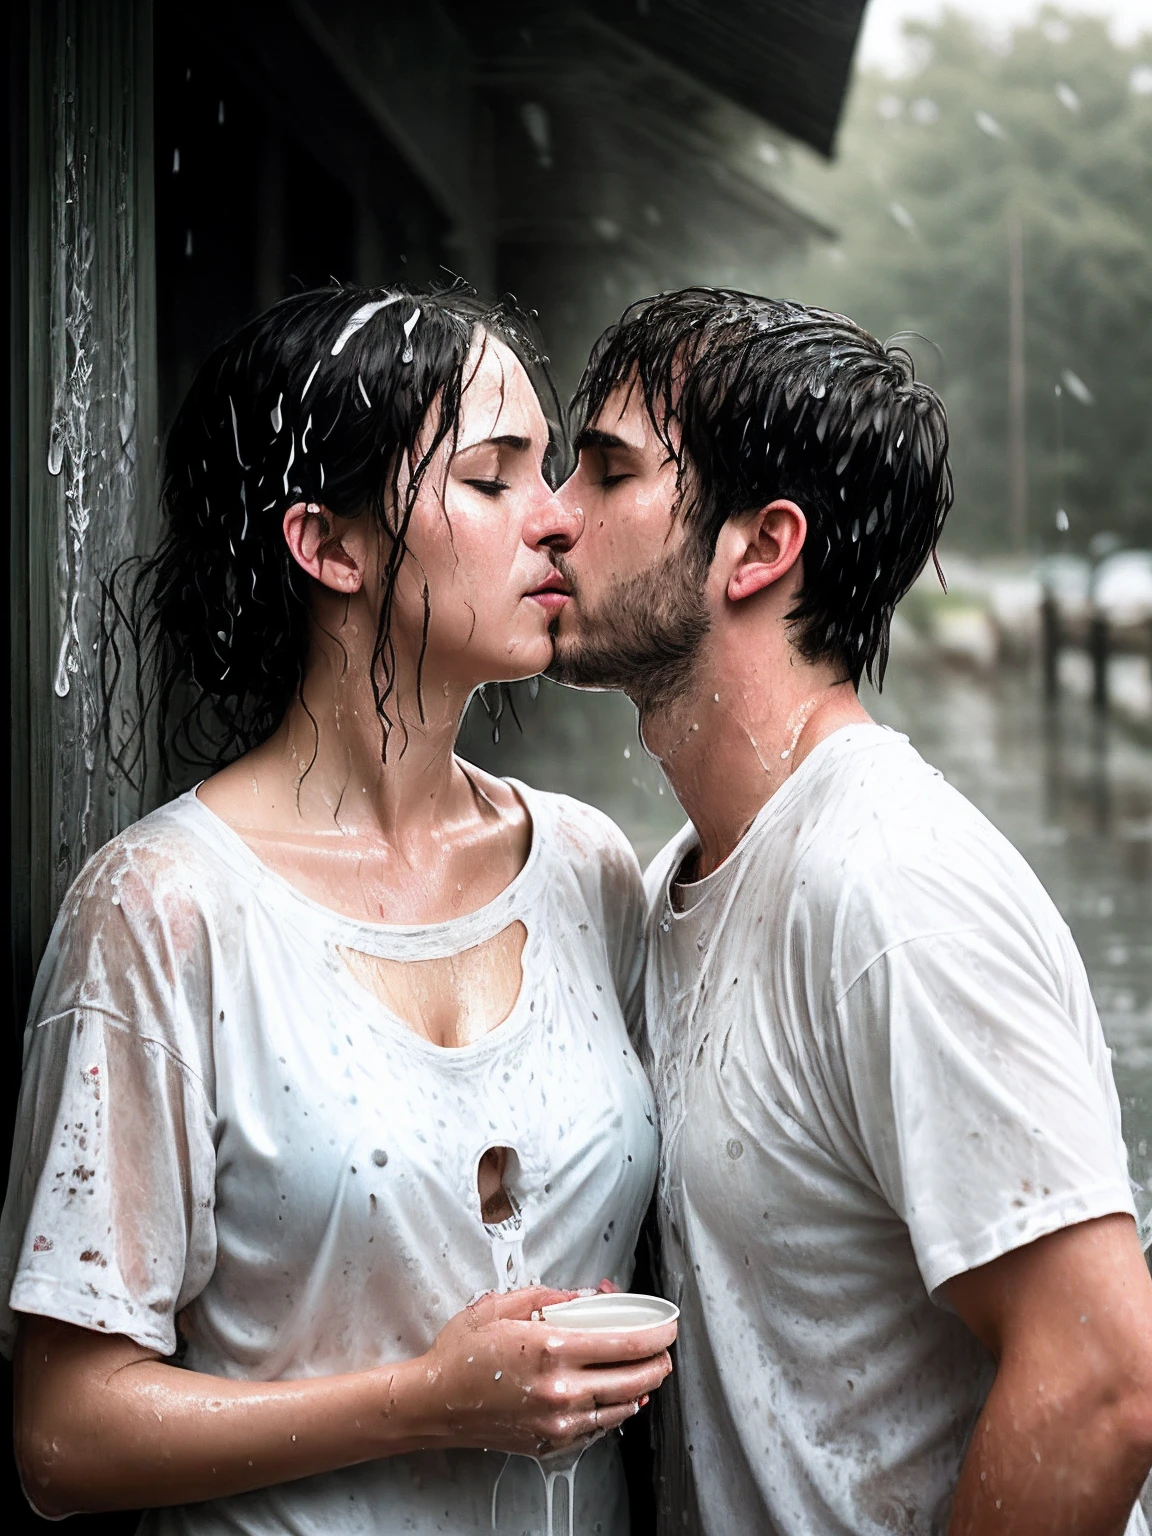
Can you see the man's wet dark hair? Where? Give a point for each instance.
(755, 400)
(324, 399)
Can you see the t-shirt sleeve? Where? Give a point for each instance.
(108, 1222)
(984, 1104)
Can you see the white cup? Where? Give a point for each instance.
(611, 1312)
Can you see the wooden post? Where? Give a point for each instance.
(1050, 645)
(1098, 648)
(1017, 387)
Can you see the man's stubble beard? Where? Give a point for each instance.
(645, 635)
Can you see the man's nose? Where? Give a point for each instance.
(557, 524)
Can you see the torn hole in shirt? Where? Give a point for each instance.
(497, 1203)
(500, 1212)
(452, 1000)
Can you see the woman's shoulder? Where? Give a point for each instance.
(160, 881)
(583, 832)
(590, 848)
(165, 852)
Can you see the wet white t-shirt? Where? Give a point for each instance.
(877, 1065)
(224, 1139)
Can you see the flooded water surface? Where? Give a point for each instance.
(1073, 794)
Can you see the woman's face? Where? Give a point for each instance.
(481, 530)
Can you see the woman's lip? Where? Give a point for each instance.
(550, 598)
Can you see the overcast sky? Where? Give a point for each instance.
(881, 45)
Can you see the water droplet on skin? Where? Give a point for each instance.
(716, 698)
(497, 1375)
(785, 754)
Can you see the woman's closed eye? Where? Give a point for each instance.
(488, 487)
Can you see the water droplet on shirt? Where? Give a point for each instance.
(735, 1149)
(380, 1157)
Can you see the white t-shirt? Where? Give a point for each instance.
(877, 1065)
(222, 1136)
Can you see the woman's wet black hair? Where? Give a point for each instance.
(756, 400)
(321, 399)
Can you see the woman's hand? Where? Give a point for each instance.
(499, 1381)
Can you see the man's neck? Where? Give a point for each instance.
(739, 732)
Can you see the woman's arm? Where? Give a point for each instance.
(102, 1423)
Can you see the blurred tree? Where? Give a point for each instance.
(1052, 133)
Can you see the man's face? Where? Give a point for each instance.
(637, 613)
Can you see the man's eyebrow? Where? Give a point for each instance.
(592, 437)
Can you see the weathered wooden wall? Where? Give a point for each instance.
(83, 373)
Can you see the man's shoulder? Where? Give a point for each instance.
(884, 850)
(917, 860)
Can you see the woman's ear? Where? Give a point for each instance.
(768, 546)
(333, 558)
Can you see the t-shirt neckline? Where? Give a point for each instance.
(694, 893)
(444, 938)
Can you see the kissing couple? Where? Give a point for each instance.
(352, 1066)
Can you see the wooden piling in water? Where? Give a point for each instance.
(1098, 648)
(1050, 645)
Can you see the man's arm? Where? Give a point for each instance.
(1064, 1441)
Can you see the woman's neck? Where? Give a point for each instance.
(350, 768)
(337, 765)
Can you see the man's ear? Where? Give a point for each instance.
(334, 560)
(767, 546)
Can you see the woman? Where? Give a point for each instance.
(332, 1044)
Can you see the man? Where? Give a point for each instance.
(894, 1200)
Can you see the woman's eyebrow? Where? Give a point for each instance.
(508, 440)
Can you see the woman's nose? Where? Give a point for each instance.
(556, 524)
